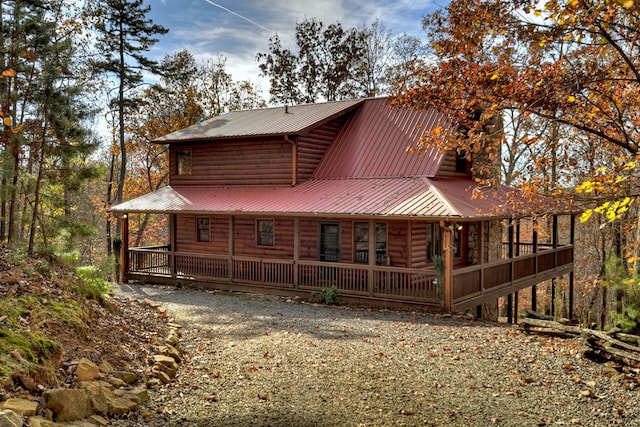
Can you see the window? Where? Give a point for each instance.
(361, 242)
(183, 162)
(434, 241)
(461, 162)
(204, 228)
(264, 231)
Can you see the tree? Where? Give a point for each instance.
(326, 65)
(569, 62)
(125, 34)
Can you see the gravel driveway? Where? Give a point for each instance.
(260, 361)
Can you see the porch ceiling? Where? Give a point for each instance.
(388, 197)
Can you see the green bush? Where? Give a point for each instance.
(93, 286)
(329, 295)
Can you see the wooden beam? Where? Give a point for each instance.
(372, 256)
(124, 249)
(448, 249)
(296, 251)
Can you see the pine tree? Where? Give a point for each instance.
(125, 35)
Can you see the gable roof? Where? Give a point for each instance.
(366, 171)
(290, 120)
(375, 143)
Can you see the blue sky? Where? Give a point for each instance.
(239, 29)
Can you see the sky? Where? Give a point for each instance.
(239, 29)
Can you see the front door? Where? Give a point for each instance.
(329, 249)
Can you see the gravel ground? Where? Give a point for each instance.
(259, 361)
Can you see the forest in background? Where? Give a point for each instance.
(79, 117)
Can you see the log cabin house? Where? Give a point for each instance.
(292, 200)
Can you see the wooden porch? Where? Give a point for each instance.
(469, 286)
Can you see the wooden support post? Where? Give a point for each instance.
(534, 288)
(296, 251)
(515, 307)
(447, 243)
(510, 308)
(124, 249)
(231, 246)
(172, 245)
(572, 238)
(372, 256)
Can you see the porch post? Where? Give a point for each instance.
(511, 231)
(172, 245)
(124, 249)
(534, 288)
(371, 278)
(572, 238)
(231, 244)
(296, 251)
(447, 243)
(554, 244)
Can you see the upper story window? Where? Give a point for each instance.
(264, 232)
(183, 162)
(204, 229)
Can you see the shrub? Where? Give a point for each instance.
(329, 295)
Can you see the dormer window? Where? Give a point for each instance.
(461, 161)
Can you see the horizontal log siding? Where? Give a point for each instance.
(186, 231)
(309, 239)
(397, 242)
(267, 162)
(448, 165)
(418, 244)
(245, 238)
(313, 146)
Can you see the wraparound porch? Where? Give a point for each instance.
(466, 288)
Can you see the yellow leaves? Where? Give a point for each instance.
(628, 4)
(610, 210)
(7, 121)
(9, 72)
(495, 76)
(590, 186)
(571, 98)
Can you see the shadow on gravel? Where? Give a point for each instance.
(252, 315)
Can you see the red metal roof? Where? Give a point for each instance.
(375, 142)
(387, 197)
(291, 120)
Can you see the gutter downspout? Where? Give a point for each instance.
(294, 160)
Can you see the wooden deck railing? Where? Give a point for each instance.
(470, 285)
(487, 281)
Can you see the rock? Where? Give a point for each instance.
(154, 383)
(8, 418)
(171, 351)
(138, 395)
(165, 360)
(87, 370)
(98, 420)
(105, 367)
(170, 370)
(42, 422)
(116, 382)
(163, 377)
(24, 407)
(127, 377)
(99, 395)
(172, 338)
(68, 404)
(121, 405)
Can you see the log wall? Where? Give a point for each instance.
(313, 146)
(265, 161)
